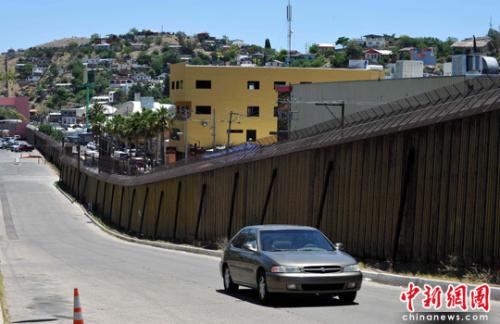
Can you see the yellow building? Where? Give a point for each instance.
(243, 99)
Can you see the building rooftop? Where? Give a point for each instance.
(263, 67)
(469, 42)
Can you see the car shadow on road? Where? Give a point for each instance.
(288, 301)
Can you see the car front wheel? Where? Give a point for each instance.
(229, 285)
(347, 298)
(262, 291)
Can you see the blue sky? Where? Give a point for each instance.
(32, 22)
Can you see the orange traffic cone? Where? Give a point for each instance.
(77, 310)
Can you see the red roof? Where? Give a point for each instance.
(8, 101)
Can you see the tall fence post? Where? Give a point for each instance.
(146, 196)
(408, 175)
(121, 208)
(233, 200)
(110, 214)
(178, 199)
(200, 210)
(268, 196)
(326, 185)
(157, 221)
(132, 201)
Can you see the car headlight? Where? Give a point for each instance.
(352, 268)
(285, 269)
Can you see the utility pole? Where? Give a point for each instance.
(214, 143)
(230, 122)
(87, 97)
(186, 142)
(6, 58)
(289, 19)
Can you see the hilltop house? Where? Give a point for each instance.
(374, 55)
(425, 55)
(466, 46)
(323, 48)
(373, 41)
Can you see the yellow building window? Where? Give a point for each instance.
(253, 111)
(253, 85)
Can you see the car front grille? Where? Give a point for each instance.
(310, 287)
(322, 269)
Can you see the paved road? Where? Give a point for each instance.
(48, 247)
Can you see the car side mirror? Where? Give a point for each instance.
(250, 247)
(339, 246)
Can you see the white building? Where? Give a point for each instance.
(274, 63)
(374, 41)
(474, 64)
(408, 69)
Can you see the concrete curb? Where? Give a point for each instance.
(400, 280)
(159, 244)
(379, 277)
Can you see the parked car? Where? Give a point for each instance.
(25, 148)
(14, 147)
(289, 259)
(120, 155)
(91, 146)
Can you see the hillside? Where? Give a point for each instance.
(65, 42)
(52, 74)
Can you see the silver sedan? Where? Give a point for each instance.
(289, 259)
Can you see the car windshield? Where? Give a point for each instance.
(293, 240)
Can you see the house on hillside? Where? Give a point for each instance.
(324, 48)
(374, 55)
(139, 46)
(425, 55)
(102, 45)
(373, 41)
(483, 45)
(141, 77)
(123, 84)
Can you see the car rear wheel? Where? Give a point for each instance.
(229, 285)
(347, 298)
(262, 291)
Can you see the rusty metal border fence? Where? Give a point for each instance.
(416, 184)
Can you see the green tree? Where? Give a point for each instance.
(8, 113)
(94, 38)
(25, 71)
(267, 44)
(495, 39)
(282, 55)
(164, 121)
(97, 120)
(353, 50)
(342, 41)
(157, 64)
(144, 58)
(313, 49)
(10, 78)
(339, 60)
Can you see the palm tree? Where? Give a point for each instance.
(7, 113)
(149, 128)
(97, 120)
(165, 120)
